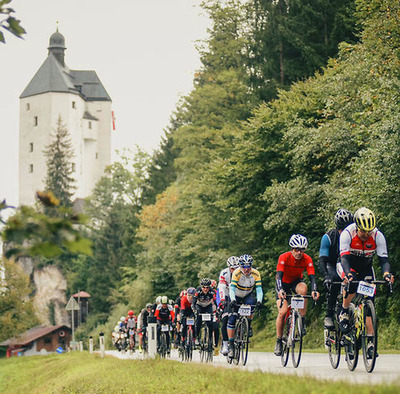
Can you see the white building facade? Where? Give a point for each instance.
(80, 99)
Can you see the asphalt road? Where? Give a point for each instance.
(316, 365)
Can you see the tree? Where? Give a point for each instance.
(16, 309)
(9, 23)
(59, 155)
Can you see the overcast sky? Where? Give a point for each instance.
(142, 50)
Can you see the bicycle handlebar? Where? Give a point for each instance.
(376, 282)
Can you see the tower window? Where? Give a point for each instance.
(97, 155)
(35, 121)
(30, 168)
(90, 125)
(73, 104)
(28, 106)
(31, 147)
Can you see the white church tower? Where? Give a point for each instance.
(84, 105)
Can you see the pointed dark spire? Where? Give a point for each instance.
(57, 46)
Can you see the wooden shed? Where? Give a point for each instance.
(39, 340)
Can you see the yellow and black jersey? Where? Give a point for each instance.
(242, 285)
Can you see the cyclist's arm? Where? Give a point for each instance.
(232, 290)
(381, 251)
(345, 241)
(279, 276)
(324, 255)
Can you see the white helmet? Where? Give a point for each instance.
(122, 318)
(158, 300)
(298, 241)
(233, 262)
(164, 300)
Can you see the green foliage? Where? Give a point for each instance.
(8, 21)
(16, 309)
(31, 233)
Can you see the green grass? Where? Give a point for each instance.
(85, 373)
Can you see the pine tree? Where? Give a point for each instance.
(59, 155)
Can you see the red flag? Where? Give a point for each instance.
(113, 119)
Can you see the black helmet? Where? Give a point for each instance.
(343, 218)
(205, 282)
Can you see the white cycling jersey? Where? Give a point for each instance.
(225, 278)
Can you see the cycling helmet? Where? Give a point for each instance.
(232, 262)
(164, 300)
(365, 219)
(122, 318)
(191, 291)
(213, 283)
(245, 261)
(130, 313)
(205, 282)
(298, 241)
(148, 306)
(343, 218)
(158, 300)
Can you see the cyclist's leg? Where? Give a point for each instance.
(198, 322)
(334, 290)
(158, 334)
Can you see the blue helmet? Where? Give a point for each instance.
(245, 261)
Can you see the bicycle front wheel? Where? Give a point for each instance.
(189, 346)
(203, 342)
(297, 340)
(163, 345)
(333, 343)
(244, 340)
(369, 342)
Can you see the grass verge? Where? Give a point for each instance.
(85, 373)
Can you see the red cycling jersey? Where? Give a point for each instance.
(293, 269)
(185, 304)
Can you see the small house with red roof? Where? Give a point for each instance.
(39, 340)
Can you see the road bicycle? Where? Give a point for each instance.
(241, 340)
(362, 315)
(333, 336)
(145, 344)
(132, 340)
(205, 338)
(187, 346)
(163, 348)
(292, 339)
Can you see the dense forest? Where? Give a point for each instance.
(293, 115)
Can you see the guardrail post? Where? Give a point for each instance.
(102, 344)
(152, 339)
(90, 344)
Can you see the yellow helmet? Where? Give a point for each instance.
(365, 219)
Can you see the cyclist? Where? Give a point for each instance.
(131, 328)
(186, 310)
(164, 315)
(215, 316)
(289, 278)
(328, 258)
(358, 244)
(223, 299)
(177, 306)
(152, 318)
(244, 280)
(203, 302)
(142, 324)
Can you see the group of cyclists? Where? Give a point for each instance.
(345, 255)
